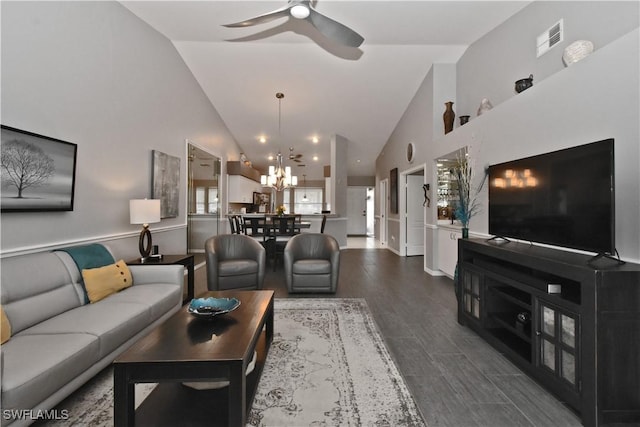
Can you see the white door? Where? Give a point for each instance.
(357, 211)
(415, 215)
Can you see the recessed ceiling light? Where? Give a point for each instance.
(270, 158)
(315, 158)
(263, 139)
(315, 139)
(358, 161)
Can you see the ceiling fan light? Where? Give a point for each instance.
(299, 11)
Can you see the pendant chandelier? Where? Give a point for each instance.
(279, 176)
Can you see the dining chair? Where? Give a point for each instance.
(283, 228)
(233, 224)
(324, 223)
(240, 224)
(256, 227)
(298, 221)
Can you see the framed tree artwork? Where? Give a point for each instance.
(393, 190)
(38, 172)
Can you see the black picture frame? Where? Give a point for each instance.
(257, 199)
(49, 164)
(393, 190)
(261, 201)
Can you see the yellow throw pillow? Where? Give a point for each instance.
(104, 281)
(5, 333)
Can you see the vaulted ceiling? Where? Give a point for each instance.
(359, 93)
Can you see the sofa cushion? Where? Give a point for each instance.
(312, 266)
(5, 334)
(104, 281)
(159, 298)
(36, 366)
(36, 287)
(112, 322)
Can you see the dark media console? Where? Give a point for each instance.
(573, 327)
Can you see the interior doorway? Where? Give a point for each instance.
(356, 211)
(370, 211)
(412, 211)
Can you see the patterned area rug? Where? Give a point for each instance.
(327, 366)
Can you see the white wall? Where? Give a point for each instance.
(93, 74)
(594, 99)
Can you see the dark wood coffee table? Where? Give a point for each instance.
(186, 349)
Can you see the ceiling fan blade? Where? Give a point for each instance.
(261, 19)
(334, 30)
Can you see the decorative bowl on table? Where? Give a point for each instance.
(208, 308)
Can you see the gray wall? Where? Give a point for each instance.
(594, 99)
(93, 74)
(490, 67)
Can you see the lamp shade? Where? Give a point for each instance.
(144, 211)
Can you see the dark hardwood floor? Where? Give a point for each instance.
(456, 378)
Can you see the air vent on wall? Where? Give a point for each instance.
(550, 38)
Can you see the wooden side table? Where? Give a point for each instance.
(186, 260)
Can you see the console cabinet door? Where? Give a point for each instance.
(471, 284)
(558, 343)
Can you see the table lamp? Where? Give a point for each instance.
(145, 212)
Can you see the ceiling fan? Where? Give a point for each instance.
(294, 157)
(302, 9)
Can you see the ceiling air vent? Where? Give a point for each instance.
(550, 38)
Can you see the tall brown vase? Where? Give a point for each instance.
(449, 116)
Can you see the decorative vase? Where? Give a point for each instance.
(524, 84)
(577, 51)
(465, 233)
(449, 116)
(463, 120)
(485, 105)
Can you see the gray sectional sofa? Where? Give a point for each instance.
(58, 340)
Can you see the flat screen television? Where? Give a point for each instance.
(563, 198)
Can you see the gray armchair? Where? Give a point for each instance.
(234, 261)
(312, 263)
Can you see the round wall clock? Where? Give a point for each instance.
(411, 150)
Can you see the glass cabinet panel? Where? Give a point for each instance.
(548, 321)
(558, 342)
(568, 367)
(548, 354)
(471, 293)
(568, 331)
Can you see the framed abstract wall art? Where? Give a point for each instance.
(166, 183)
(393, 190)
